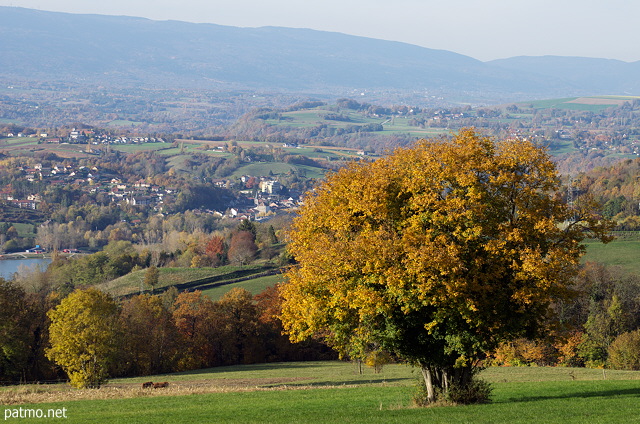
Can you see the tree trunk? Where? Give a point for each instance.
(444, 378)
(427, 374)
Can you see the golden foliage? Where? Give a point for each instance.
(438, 251)
(83, 335)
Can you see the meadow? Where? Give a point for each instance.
(334, 392)
(593, 103)
(133, 282)
(624, 252)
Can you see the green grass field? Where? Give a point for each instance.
(333, 392)
(277, 168)
(134, 282)
(142, 147)
(19, 141)
(621, 252)
(592, 103)
(25, 230)
(124, 123)
(253, 286)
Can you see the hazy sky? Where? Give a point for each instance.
(483, 29)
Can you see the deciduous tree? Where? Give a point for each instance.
(83, 336)
(215, 250)
(195, 319)
(151, 276)
(242, 248)
(437, 253)
(13, 331)
(151, 342)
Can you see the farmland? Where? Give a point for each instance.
(592, 104)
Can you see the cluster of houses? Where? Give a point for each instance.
(88, 136)
(254, 204)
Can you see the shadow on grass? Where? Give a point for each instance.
(253, 367)
(338, 383)
(635, 392)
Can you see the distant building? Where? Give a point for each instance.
(271, 187)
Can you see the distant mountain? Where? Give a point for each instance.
(126, 51)
(601, 76)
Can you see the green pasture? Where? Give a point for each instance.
(564, 103)
(140, 147)
(277, 168)
(18, 141)
(315, 152)
(134, 282)
(333, 392)
(586, 107)
(186, 149)
(24, 230)
(313, 117)
(623, 252)
(547, 103)
(253, 286)
(562, 147)
(400, 125)
(124, 123)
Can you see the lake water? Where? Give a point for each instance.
(10, 266)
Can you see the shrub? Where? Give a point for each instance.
(477, 391)
(624, 352)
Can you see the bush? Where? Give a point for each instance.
(477, 391)
(624, 352)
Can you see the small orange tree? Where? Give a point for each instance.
(437, 253)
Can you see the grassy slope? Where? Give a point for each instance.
(132, 282)
(254, 286)
(521, 395)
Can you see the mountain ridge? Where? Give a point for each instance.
(122, 50)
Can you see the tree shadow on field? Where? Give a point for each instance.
(252, 367)
(634, 392)
(342, 383)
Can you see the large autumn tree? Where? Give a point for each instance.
(435, 253)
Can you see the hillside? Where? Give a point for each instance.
(116, 50)
(602, 76)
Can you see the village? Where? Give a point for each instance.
(259, 203)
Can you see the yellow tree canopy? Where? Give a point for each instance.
(83, 335)
(437, 252)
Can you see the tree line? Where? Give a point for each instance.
(143, 335)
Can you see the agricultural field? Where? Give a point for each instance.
(334, 392)
(592, 104)
(309, 118)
